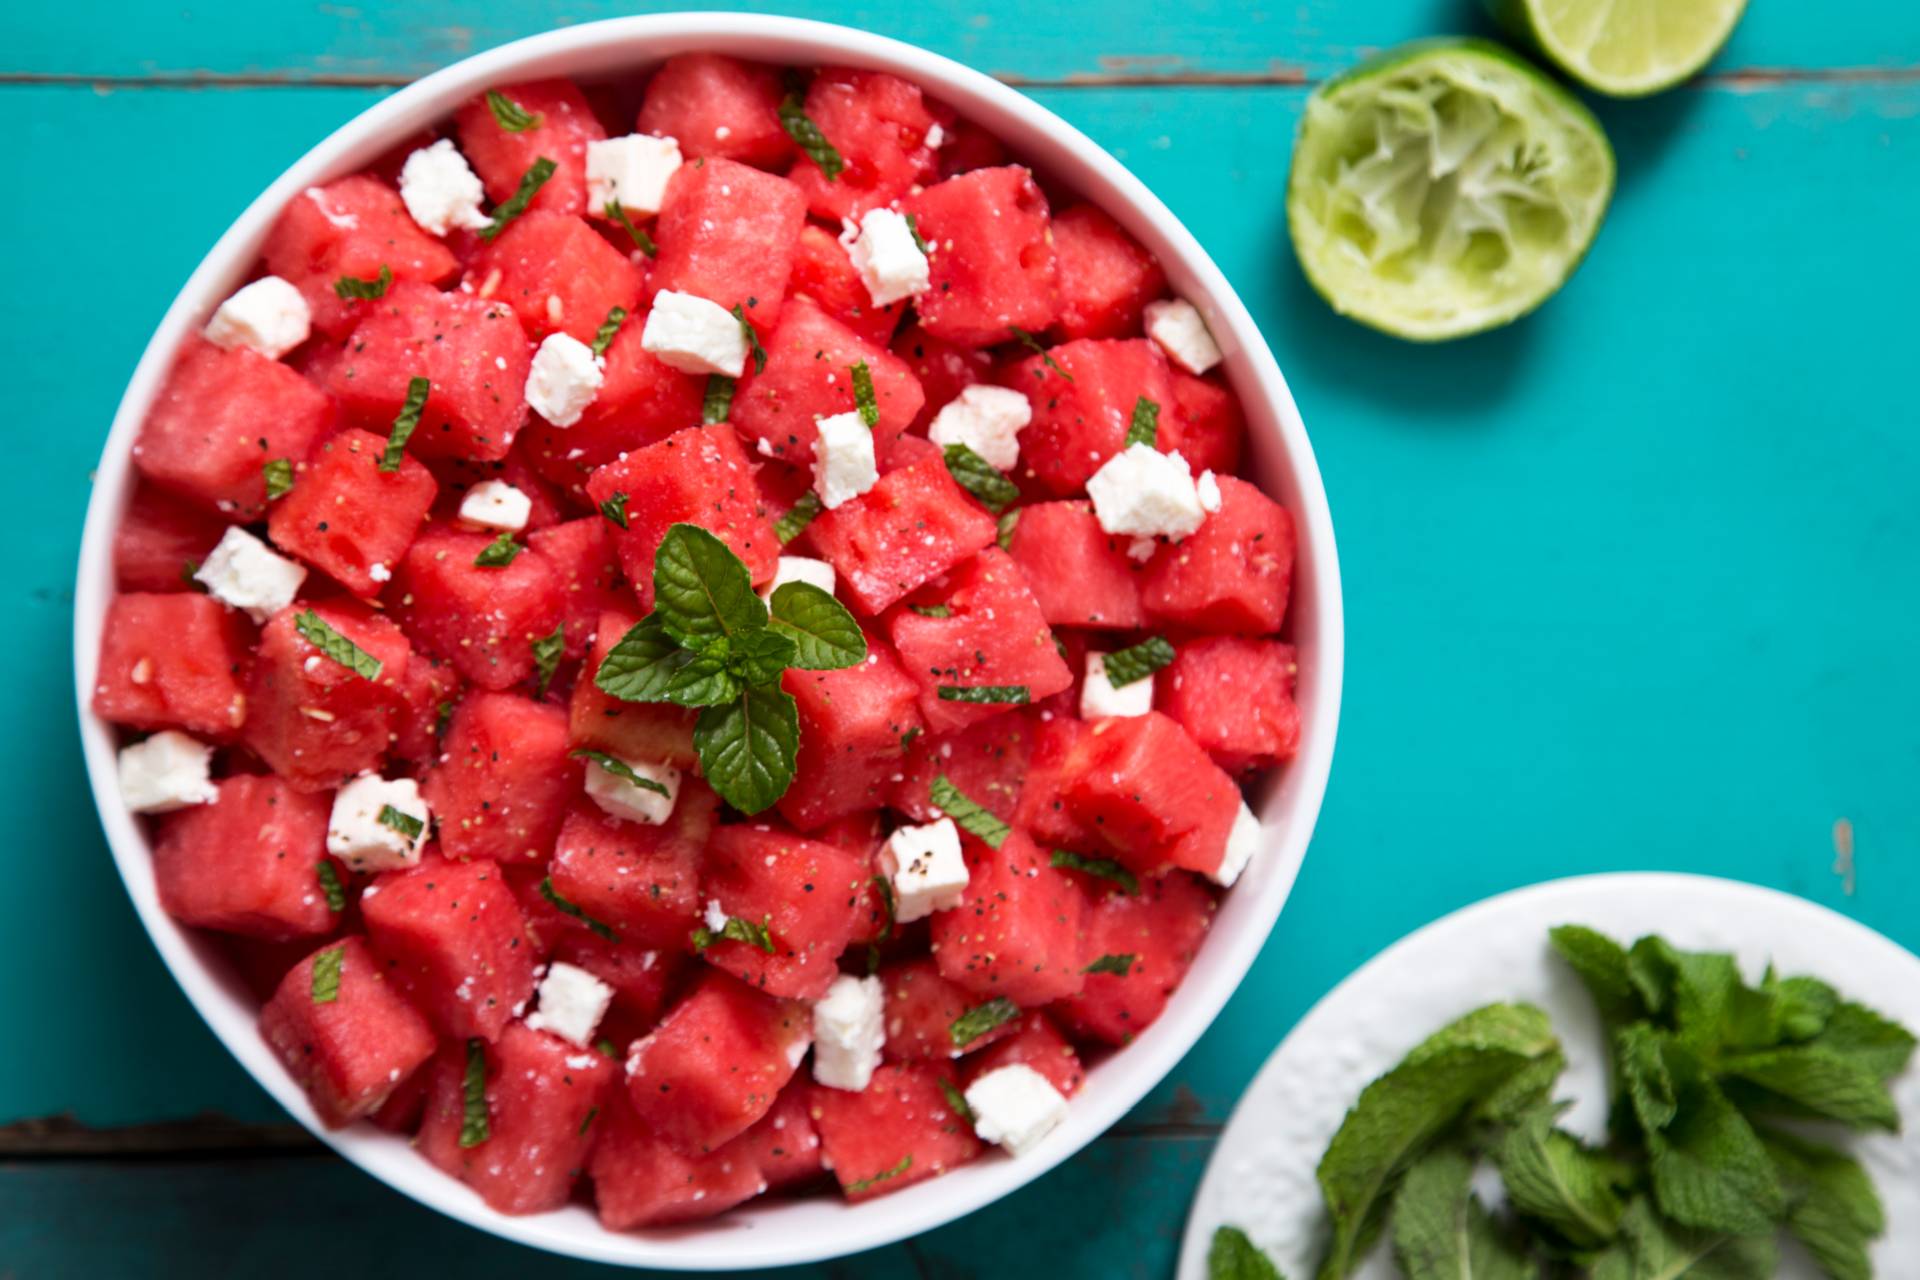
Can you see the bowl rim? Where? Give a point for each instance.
(1316, 610)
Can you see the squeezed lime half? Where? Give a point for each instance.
(1444, 188)
(1627, 48)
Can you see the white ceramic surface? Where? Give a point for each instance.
(1261, 1176)
(774, 1232)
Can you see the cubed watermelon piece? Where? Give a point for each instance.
(993, 261)
(967, 147)
(350, 229)
(823, 272)
(1234, 695)
(159, 537)
(640, 880)
(855, 724)
(350, 1052)
(809, 375)
(1034, 1042)
(1080, 573)
(1161, 927)
(348, 518)
(878, 123)
(1148, 793)
(862, 834)
(585, 570)
(453, 938)
(1077, 425)
(473, 352)
(503, 783)
(699, 476)
(642, 977)
(248, 863)
(557, 273)
(402, 1110)
(1233, 575)
(501, 157)
(1105, 278)
(991, 635)
(898, 1131)
(630, 730)
(641, 402)
(314, 720)
(173, 661)
(783, 1144)
(718, 106)
(922, 1006)
(944, 369)
(986, 761)
(220, 417)
(808, 895)
(1043, 808)
(716, 1063)
(641, 1181)
(542, 1095)
(1213, 428)
(912, 526)
(1020, 931)
(481, 618)
(428, 693)
(726, 233)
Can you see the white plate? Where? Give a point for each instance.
(1261, 1176)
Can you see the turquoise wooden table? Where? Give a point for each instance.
(1632, 584)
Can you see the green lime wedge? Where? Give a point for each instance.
(1444, 188)
(1627, 48)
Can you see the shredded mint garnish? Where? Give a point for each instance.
(336, 893)
(736, 930)
(867, 1184)
(1034, 345)
(510, 115)
(516, 204)
(977, 476)
(404, 423)
(807, 136)
(278, 474)
(1145, 427)
(1137, 662)
(798, 517)
(1105, 868)
(615, 508)
(405, 823)
(603, 337)
(564, 907)
(326, 975)
(1008, 693)
(499, 553)
(620, 769)
(354, 289)
(641, 240)
(863, 397)
(752, 336)
(957, 1100)
(982, 1018)
(546, 657)
(475, 1126)
(718, 402)
(331, 644)
(967, 813)
(1120, 965)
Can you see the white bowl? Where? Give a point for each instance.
(773, 1232)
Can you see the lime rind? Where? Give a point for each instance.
(1445, 188)
(1623, 48)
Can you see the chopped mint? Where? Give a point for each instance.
(1137, 662)
(977, 476)
(354, 289)
(278, 473)
(326, 974)
(1119, 965)
(641, 240)
(404, 423)
(863, 397)
(967, 813)
(718, 402)
(615, 508)
(516, 204)
(1034, 345)
(752, 336)
(567, 908)
(547, 651)
(336, 893)
(798, 517)
(736, 930)
(475, 1127)
(603, 337)
(316, 632)
(405, 823)
(1008, 693)
(931, 610)
(957, 1100)
(807, 136)
(981, 1019)
(619, 769)
(499, 553)
(1145, 427)
(510, 115)
(1105, 868)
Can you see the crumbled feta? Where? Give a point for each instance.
(694, 335)
(1178, 327)
(890, 264)
(801, 569)
(1208, 487)
(564, 379)
(715, 916)
(166, 772)
(1143, 493)
(495, 504)
(441, 191)
(623, 799)
(843, 464)
(572, 1002)
(357, 837)
(1098, 696)
(926, 868)
(1015, 1106)
(936, 137)
(268, 315)
(632, 170)
(849, 1028)
(1242, 843)
(241, 571)
(987, 420)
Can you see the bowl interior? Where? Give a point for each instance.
(772, 1232)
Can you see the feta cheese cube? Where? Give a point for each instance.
(243, 572)
(987, 420)
(843, 463)
(1177, 326)
(1143, 493)
(441, 191)
(1243, 841)
(268, 315)
(621, 798)
(166, 772)
(1208, 487)
(572, 1002)
(1015, 1106)
(495, 504)
(632, 170)
(849, 1029)
(926, 868)
(890, 264)
(357, 837)
(564, 378)
(1099, 697)
(801, 569)
(694, 335)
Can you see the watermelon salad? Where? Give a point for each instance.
(697, 638)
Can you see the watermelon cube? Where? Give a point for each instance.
(719, 107)
(969, 147)
(542, 1097)
(631, 730)
(557, 273)
(473, 353)
(898, 1131)
(810, 359)
(428, 693)
(855, 724)
(911, 527)
(922, 1006)
(173, 661)
(1234, 695)
(315, 721)
(716, 1063)
(1213, 428)
(1161, 927)
(783, 1144)
(806, 894)
(1020, 931)
(641, 1181)
(987, 761)
(1043, 810)
(991, 635)
(501, 156)
(641, 977)
(220, 417)
(454, 940)
(352, 1051)
(504, 780)
(1150, 795)
(1233, 575)
(348, 518)
(481, 618)
(1034, 1042)
(993, 264)
(824, 273)
(158, 538)
(1105, 277)
(641, 402)
(1077, 425)
(944, 369)
(1080, 573)
(878, 123)
(641, 881)
(726, 234)
(585, 570)
(350, 229)
(248, 863)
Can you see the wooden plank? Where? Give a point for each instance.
(396, 40)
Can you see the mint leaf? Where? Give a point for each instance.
(885, 888)
(547, 651)
(1553, 1179)
(930, 610)
(1105, 868)
(1806, 1005)
(867, 1184)
(701, 589)
(404, 423)
(1656, 1249)
(566, 908)
(706, 679)
(968, 814)
(1003, 532)
(615, 508)
(331, 644)
(863, 398)
(1833, 1209)
(516, 204)
(475, 1126)
(1014, 694)
(641, 240)
(747, 747)
(1232, 1256)
(278, 474)
(807, 136)
(957, 1101)
(752, 336)
(510, 115)
(980, 1019)
(405, 823)
(354, 289)
(1034, 345)
(1691, 990)
(736, 930)
(604, 335)
(1819, 1082)
(761, 657)
(1640, 1059)
(824, 634)
(619, 769)
(919, 241)
(1119, 965)
(1601, 964)
(499, 553)
(330, 886)
(718, 402)
(1137, 662)
(977, 476)
(1145, 426)
(1709, 1169)
(641, 666)
(1442, 1232)
(798, 517)
(1882, 1046)
(326, 975)
(587, 1123)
